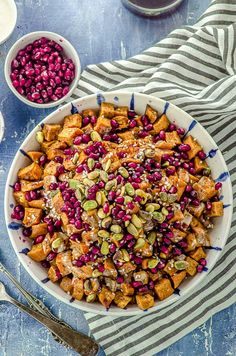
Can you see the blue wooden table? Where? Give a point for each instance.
(100, 30)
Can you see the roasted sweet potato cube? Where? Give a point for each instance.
(78, 249)
(145, 301)
(54, 274)
(20, 199)
(53, 152)
(39, 229)
(195, 147)
(32, 216)
(68, 134)
(39, 252)
(74, 120)
(178, 278)
(122, 121)
(178, 235)
(66, 284)
(170, 268)
(161, 124)
(154, 276)
(217, 209)
(31, 172)
(63, 262)
(35, 155)
(38, 203)
(110, 269)
(57, 202)
(141, 276)
(83, 272)
(107, 110)
(82, 157)
(69, 164)
(26, 185)
(196, 210)
(164, 145)
(178, 216)
(127, 289)
(151, 114)
(122, 300)
(198, 254)
(87, 129)
(51, 169)
(71, 229)
(205, 188)
(173, 138)
(183, 175)
(58, 145)
(191, 241)
(106, 297)
(192, 266)
(199, 165)
(78, 288)
(126, 268)
(163, 288)
(51, 131)
(121, 111)
(46, 145)
(89, 112)
(47, 180)
(103, 125)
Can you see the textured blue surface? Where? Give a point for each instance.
(88, 24)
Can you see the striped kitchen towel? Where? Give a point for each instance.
(194, 68)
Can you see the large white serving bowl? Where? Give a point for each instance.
(138, 102)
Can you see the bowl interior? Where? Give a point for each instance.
(69, 52)
(138, 102)
(10, 7)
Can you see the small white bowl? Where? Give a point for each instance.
(137, 102)
(69, 52)
(9, 14)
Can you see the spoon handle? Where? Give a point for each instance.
(79, 342)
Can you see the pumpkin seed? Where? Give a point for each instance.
(73, 183)
(163, 196)
(152, 237)
(105, 248)
(90, 205)
(116, 229)
(164, 211)
(117, 237)
(139, 244)
(90, 163)
(106, 222)
(91, 298)
(132, 230)
(172, 198)
(94, 174)
(181, 265)
(123, 171)
(152, 263)
(129, 189)
(95, 136)
(158, 216)
(39, 137)
(101, 214)
(75, 158)
(149, 152)
(104, 234)
(96, 273)
(104, 176)
(88, 182)
(136, 221)
(107, 165)
(125, 254)
(111, 184)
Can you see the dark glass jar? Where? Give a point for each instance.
(151, 7)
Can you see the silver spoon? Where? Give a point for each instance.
(79, 342)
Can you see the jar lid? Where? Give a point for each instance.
(151, 7)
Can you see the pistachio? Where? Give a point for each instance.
(125, 254)
(142, 194)
(164, 211)
(107, 165)
(132, 230)
(53, 193)
(172, 198)
(129, 189)
(128, 199)
(127, 223)
(90, 163)
(90, 205)
(122, 191)
(104, 176)
(75, 158)
(136, 221)
(166, 164)
(88, 182)
(152, 263)
(94, 174)
(91, 298)
(207, 171)
(99, 198)
(101, 214)
(123, 171)
(149, 152)
(106, 222)
(151, 207)
(139, 244)
(105, 248)
(73, 183)
(152, 237)
(116, 229)
(78, 194)
(163, 196)
(181, 265)
(95, 136)
(145, 215)
(103, 197)
(39, 137)
(104, 234)
(158, 216)
(96, 273)
(117, 237)
(111, 184)
(58, 244)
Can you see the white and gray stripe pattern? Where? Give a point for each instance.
(194, 68)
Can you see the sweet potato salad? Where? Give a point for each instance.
(118, 205)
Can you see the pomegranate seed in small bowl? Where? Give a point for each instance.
(42, 69)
